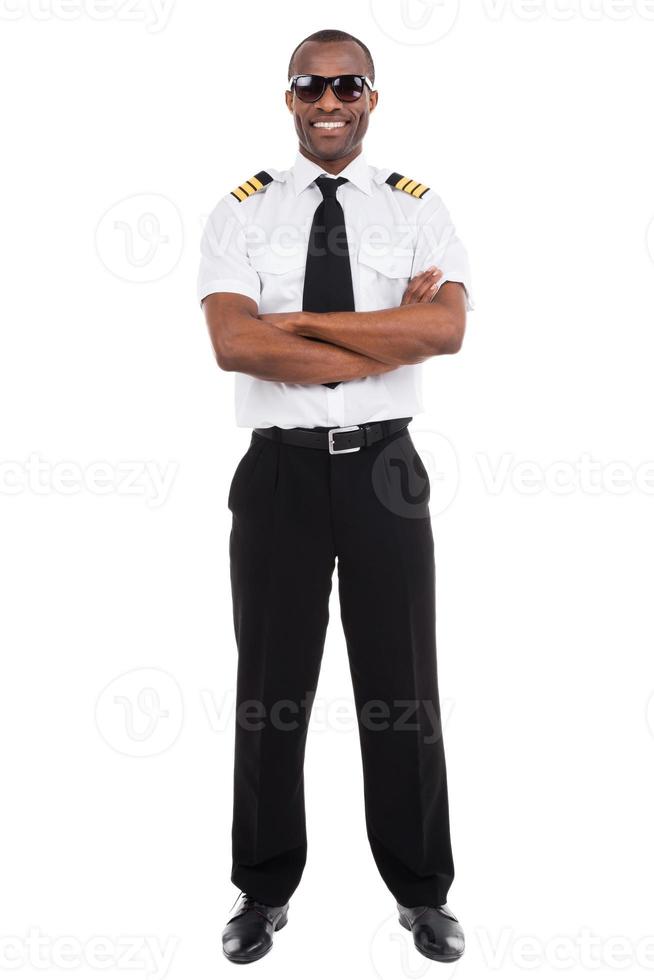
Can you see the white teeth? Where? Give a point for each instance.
(330, 125)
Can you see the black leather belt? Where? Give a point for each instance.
(346, 439)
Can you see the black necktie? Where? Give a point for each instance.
(328, 276)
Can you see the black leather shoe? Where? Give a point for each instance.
(437, 933)
(248, 934)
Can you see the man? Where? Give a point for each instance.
(324, 297)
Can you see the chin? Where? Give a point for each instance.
(330, 154)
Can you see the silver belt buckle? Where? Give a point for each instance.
(345, 428)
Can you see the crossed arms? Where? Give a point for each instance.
(282, 347)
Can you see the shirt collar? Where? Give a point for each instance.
(305, 172)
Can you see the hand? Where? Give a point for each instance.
(290, 322)
(423, 287)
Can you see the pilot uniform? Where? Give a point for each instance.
(357, 498)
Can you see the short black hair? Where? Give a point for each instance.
(328, 36)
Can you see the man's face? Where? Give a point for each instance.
(335, 58)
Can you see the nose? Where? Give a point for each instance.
(328, 102)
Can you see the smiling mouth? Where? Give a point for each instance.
(329, 127)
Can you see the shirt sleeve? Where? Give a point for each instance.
(224, 264)
(438, 244)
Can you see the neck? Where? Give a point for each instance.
(332, 166)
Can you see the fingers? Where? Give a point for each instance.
(423, 287)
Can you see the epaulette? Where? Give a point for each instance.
(412, 187)
(251, 186)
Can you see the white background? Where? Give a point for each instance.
(533, 122)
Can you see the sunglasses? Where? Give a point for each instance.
(347, 88)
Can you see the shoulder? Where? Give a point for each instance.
(400, 182)
(256, 184)
(243, 201)
(417, 199)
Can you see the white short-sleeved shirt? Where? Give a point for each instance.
(258, 247)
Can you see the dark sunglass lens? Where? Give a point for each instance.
(348, 88)
(309, 88)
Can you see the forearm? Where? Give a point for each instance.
(261, 350)
(404, 335)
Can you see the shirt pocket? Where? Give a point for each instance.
(282, 279)
(383, 277)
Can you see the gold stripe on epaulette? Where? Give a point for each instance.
(244, 190)
(413, 187)
(419, 190)
(251, 186)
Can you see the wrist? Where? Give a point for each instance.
(302, 323)
(311, 324)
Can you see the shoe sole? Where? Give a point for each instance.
(439, 957)
(252, 959)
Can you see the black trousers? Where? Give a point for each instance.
(295, 511)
